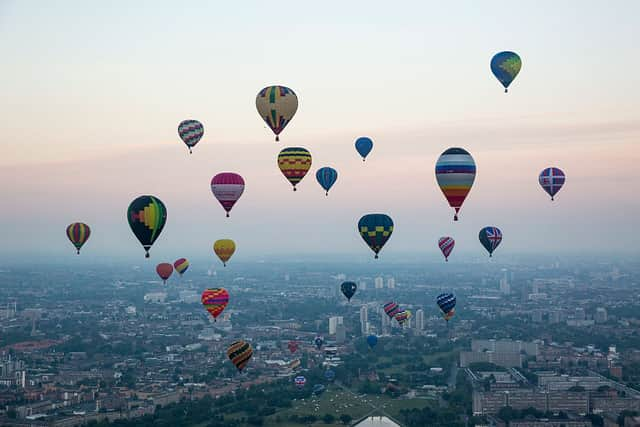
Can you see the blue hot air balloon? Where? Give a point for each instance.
(490, 237)
(446, 302)
(329, 375)
(505, 66)
(375, 230)
(372, 340)
(364, 145)
(326, 178)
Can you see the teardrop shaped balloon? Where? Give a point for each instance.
(147, 216)
(391, 309)
(293, 346)
(506, 66)
(490, 237)
(348, 289)
(224, 248)
(215, 300)
(551, 180)
(294, 163)
(372, 340)
(403, 316)
(326, 178)
(329, 375)
(239, 352)
(446, 302)
(455, 173)
(300, 381)
(190, 132)
(164, 270)
(318, 341)
(375, 230)
(364, 145)
(181, 265)
(277, 105)
(446, 245)
(227, 187)
(78, 234)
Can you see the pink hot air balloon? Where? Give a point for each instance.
(446, 245)
(227, 187)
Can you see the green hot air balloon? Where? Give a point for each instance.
(147, 216)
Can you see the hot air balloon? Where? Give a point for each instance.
(277, 105)
(505, 66)
(164, 270)
(300, 381)
(227, 187)
(329, 375)
(364, 145)
(375, 229)
(224, 248)
(181, 265)
(293, 346)
(78, 233)
(402, 316)
(326, 178)
(391, 308)
(215, 300)
(446, 245)
(294, 163)
(318, 341)
(455, 173)
(551, 180)
(490, 237)
(446, 302)
(348, 289)
(190, 132)
(239, 353)
(147, 216)
(372, 340)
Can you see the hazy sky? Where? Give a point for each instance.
(92, 93)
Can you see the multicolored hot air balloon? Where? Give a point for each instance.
(227, 187)
(403, 316)
(348, 289)
(375, 230)
(391, 308)
(239, 353)
(181, 265)
(147, 216)
(293, 346)
(372, 340)
(506, 66)
(446, 245)
(78, 233)
(446, 302)
(455, 173)
(364, 145)
(490, 237)
(164, 270)
(190, 132)
(326, 177)
(300, 381)
(277, 105)
(551, 180)
(224, 248)
(318, 341)
(294, 163)
(215, 300)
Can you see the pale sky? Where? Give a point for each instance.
(92, 93)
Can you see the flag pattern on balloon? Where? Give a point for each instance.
(375, 230)
(224, 249)
(446, 245)
(190, 131)
(277, 105)
(300, 381)
(147, 216)
(326, 177)
(227, 187)
(455, 174)
(348, 289)
(391, 309)
(181, 265)
(78, 233)
(164, 270)
(506, 66)
(490, 237)
(215, 300)
(294, 163)
(364, 145)
(446, 302)
(239, 352)
(551, 180)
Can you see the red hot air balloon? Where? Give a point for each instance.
(446, 245)
(227, 187)
(293, 346)
(164, 270)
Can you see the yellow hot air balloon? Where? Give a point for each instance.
(224, 248)
(277, 105)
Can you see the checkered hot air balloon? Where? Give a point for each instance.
(147, 216)
(375, 230)
(215, 300)
(190, 131)
(294, 163)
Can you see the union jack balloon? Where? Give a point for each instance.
(551, 180)
(446, 245)
(490, 237)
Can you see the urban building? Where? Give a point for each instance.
(420, 319)
(334, 321)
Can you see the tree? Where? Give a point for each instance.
(345, 419)
(328, 419)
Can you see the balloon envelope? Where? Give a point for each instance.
(402, 316)
(300, 381)
(277, 105)
(348, 289)
(147, 216)
(224, 248)
(227, 187)
(181, 265)
(293, 346)
(506, 66)
(78, 234)
(391, 308)
(551, 180)
(294, 163)
(446, 302)
(318, 341)
(364, 145)
(375, 230)
(164, 270)
(446, 245)
(215, 300)
(239, 353)
(190, 132)
(326, 177)
(329, 374)
(455, 173)
(372, 340)
(490, 237)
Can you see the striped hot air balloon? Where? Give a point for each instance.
(215, 300)
(294, 163)
(277, 105)
(78, 233)
(147, 216)
(446, 245)
(239, 352)
(403, 316)
(446, 302)
(455, 173)
(326, 177)
(224, 248)
(227, 187)
(375, 230)
(190, 131)
(551, 180)
(391, 308)
(181, 265)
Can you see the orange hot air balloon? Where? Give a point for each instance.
(164, 270)
(224, 248)
(215, 300)
(239, 352)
